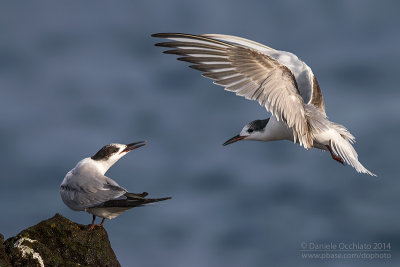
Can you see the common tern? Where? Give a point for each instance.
(86, 188)
(278, 80)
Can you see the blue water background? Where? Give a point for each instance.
(77, 75)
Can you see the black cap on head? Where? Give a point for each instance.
(258, 125)
(105, 152)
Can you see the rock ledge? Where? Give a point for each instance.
(58, 242)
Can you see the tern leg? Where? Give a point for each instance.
(337, 158)
(102, 221)
(92, 225)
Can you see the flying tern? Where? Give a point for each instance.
(86, 188)
(277, 80)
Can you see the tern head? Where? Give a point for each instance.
(109, 154)
(254, 130)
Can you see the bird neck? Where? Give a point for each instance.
(99, 166)
(276, 130)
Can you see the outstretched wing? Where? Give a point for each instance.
(247, 72)
(307, 83)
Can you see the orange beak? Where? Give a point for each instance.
(234, 139)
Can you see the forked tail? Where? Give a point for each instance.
(133, 200)
(343, 148)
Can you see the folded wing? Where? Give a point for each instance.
(81, 192)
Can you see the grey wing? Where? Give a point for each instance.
(316, 98)
(247, 72)
(306, 81)
(80, 192)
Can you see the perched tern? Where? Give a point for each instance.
(86, 188)
(278, 80)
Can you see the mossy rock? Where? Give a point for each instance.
(4, 259)
(60, 242)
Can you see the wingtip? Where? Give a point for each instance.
(195, 67)
(169, 52)
(164, 34)
(184, 59)
(158, 199)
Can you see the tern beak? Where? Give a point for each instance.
(132, 146)
(234, 139)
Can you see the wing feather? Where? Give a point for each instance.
(316, 95)
(247, 72)
(81, 192)
(309, 89)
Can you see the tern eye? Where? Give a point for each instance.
(250, 130)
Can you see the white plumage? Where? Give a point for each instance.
(86, 188)
(277, 80)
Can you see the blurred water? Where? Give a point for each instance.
(77, 75)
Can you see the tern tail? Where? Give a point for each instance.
(343, 149)
(131, 202)
(136, 195)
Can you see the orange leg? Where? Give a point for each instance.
(102, 221)
(337, 158)
(92, 225)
